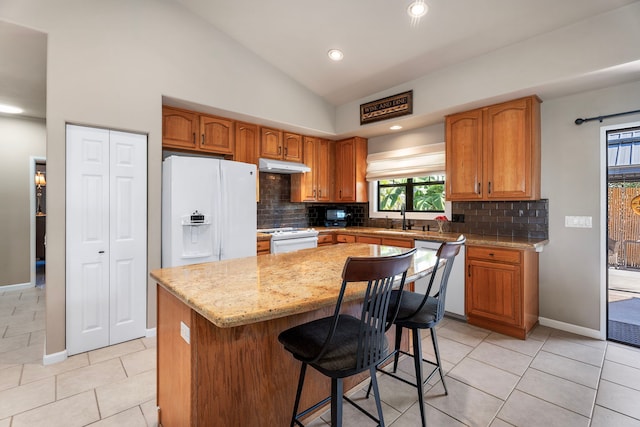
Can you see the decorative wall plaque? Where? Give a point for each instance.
(387, 108)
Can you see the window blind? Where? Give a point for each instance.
(406, 162)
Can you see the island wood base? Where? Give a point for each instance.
(238, 376)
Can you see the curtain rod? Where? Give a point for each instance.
(580, 121)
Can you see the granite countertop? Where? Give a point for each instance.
(472, 239)
(254, 289)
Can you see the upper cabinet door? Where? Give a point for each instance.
(464, 155)
(292, 144)
(270, 143)
(493, 153)
(512, 150)
(216, 135)
(322, 170)
(179, 128)
(246, 149)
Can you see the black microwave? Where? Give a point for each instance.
(336, 218)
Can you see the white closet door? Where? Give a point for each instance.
(106, 255)
(128, 242)
(87, 230)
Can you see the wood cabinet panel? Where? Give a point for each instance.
(313, 186)
(494, 291)
(509, 151)
(216, 135)
(174, 362)
(263, 247)
(401, 243)
(325, 239)
(464, 155)
(350, 170)
(345, 238)
(270, 143)
(179, 128)
(292, 147)
(493, 153)
(368, 239)
(246, 143)
(501, 289)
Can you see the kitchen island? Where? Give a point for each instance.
(219, 359)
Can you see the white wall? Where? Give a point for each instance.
(109, 64)
(570, 264)
(575, 54)
(20, 139)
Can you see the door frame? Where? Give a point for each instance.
(604, 221)
(32, 222)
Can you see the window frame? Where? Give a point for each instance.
(375, 212)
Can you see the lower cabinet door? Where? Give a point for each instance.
(493, 292)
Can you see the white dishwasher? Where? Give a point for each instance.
(454, 303)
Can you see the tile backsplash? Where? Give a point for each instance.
(275, 208)
(528, 219)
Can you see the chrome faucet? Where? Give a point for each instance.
(403, 211)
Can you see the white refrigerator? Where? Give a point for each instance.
(208, 210)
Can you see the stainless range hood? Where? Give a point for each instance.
(279, 166)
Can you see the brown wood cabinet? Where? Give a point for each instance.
(401, 243)
(345, 238)
(313, 186)
(180, 128)
(350, 170)
(246, 143)
(502, 289)
(369, 239)
(263, 247)
(325, 239)
(216, 135)
(278, 145)
(493, 153)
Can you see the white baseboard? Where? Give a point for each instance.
(17, 286)
(50, 359)
(151, 333)
(574, 329)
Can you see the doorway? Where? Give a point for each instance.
(623, 235)
(40, 235)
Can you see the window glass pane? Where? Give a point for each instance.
(393, 181)
(390, 198)
(428, 198)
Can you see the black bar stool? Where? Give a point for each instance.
(421, 311)
(342, 345)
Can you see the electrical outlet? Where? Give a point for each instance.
(578, 222)
(185, 333)
(457, 217)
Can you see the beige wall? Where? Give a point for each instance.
(570, 286)
(109, 64)
(20, 140)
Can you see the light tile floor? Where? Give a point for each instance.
(551, 379)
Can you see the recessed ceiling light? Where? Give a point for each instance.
(417, 9)
(395, 127)
(10, 109)
(335, 54)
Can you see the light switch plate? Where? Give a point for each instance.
(185, 332)
(578, 221)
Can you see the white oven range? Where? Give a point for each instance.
(289, 239)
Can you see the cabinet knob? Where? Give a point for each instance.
(469, 270)
(489, 187)
(279, 150)
(479, 188)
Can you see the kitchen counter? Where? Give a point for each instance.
(472, 239)
(247, 290)
(219, 359)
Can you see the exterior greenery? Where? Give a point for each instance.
(421, 194)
